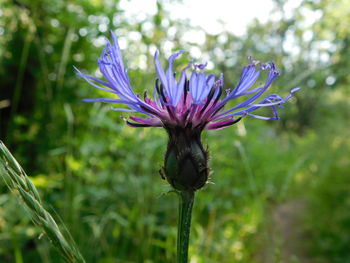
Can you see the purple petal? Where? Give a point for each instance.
(181, 83)
(172, 87)
(106, 100)
(122, 109)
(160, 71)
(89, 78)
(155, 122)
(271, 77)
(221, 124)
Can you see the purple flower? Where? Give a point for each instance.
(185, 106)
(194, 103)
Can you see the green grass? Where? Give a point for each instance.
(119, 210)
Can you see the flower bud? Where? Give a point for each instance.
(186, 161)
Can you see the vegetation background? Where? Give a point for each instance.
(281, 189)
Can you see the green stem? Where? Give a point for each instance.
(184, 225)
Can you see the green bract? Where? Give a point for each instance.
(186, 161)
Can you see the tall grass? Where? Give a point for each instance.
(17, 180)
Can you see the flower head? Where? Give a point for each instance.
(185, 106)
(194, 101)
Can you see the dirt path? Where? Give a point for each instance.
(286, 239)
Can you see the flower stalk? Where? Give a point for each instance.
(186, 200)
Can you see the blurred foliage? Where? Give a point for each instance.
(102, 177)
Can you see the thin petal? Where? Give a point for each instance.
(221, 124)
(160, 71)
(107, 100)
